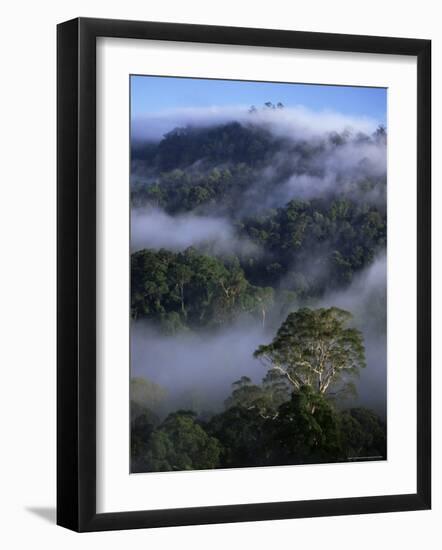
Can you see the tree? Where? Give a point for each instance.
(305, 430)
(264, 399)
(181, 444)
(142, 424)
(381, 133)
(316, 348)
(258, 300)
(190, 289)
(180, 275)
(244, 394)
(242, 433)
(363, 433)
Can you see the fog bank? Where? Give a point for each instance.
(197, 370)
(296, 122)
(366, 299)
(154, 228)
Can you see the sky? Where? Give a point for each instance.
(155, 95)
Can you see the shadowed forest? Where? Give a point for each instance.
(258, 292)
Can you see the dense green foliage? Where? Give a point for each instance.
(179, 443)
(190, 289)
(193, 289)
(306, 245)
(184, 190)
(226, 143)
(306, 428)
(288, 419)
(314, 245)
(235, 166)
(300, 249)
(362, 433)
(143, 422)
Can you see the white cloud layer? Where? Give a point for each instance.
(154, 228)
(294, 122)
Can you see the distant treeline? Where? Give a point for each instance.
(236, 168)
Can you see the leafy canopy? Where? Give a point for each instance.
(316, 348)
(189, 290)
(181, 444)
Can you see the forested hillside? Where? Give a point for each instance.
(242, 230)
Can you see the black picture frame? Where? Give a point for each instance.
(76, 274)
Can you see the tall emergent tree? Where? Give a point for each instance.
(316, 348)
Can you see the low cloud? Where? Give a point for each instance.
(292, 122)
(196, 370)
(366, 298)
(154, 228)
(331, 171)
(206, 364)
(322, 153)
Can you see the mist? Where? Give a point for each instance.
(323, 155)
(319, 154)
(197, 369)
(294, 122)
(365, 298)
(154, 228)
(328, 171)
(337, 169)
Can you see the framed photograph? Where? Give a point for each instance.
(243, 274)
